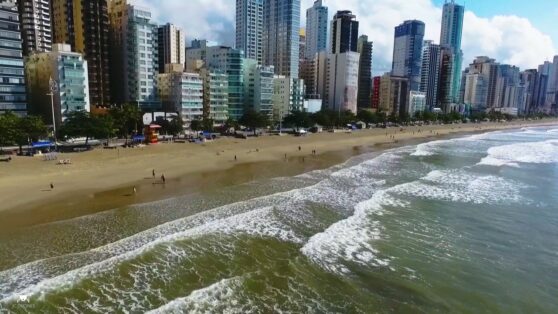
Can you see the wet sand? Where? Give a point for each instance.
(104, 179)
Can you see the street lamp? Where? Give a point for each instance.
(53, 87)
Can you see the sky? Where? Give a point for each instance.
(518, 32)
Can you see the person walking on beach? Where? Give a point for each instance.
(163, 179)
(235, 159)
(299, 148)
(153, 173)
(52, 186)
(135, 190)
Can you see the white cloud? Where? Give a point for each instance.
(509, 39)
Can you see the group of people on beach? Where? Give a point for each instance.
(153, 174)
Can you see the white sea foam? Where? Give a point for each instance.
(254, 217)
(220, 296)
(461, 186)
(512, 155)
(349, 239)
(428, 149)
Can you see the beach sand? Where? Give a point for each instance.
(105, 179)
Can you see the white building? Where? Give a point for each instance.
(135, 44)
(215, 96)
(182, 93)
(258, 87)
(417, 102)
(342, 81)
(69, 70)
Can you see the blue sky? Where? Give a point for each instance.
(518, 32)
(542, 13)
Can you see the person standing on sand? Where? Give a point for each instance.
(153, 173)
(52, 186)
(235, 159)
(163, 179)
(299, 148)
(135, 190)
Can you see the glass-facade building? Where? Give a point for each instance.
(135, 40)
(69, 70)
(316, 29)
(451, 34)
(281, 36)
(223, 59)
(12, 79)
(407, 52)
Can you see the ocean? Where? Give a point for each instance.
(461, 225)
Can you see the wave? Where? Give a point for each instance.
(513, 155)
(214, 298)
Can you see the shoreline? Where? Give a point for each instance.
(103, 180)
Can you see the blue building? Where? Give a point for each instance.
(281, 36)
(407, 52)
(316, 29)
(450, 37)
(12, 79)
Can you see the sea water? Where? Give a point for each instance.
(460, 225)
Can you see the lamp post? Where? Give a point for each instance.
(53, 87)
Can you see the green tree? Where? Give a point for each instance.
(176, 126)
(29, 129)
(8, 123)
(78, 124)
(196, 125)
(254, 120)
(368, 116)
(127, 118)
(323, 118)
(208, 124)
(299, 119)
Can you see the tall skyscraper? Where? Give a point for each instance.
(344, 32)
(451, 34)
(172, 46)
(364, 47)
(430, 73)
(316, 29)
(281, 36)
(407, 52)
(249, 28)
(135, 55)
(84, 24)
(36, 25)
(12, 80)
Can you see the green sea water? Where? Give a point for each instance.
(465, 225)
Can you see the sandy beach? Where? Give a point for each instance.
(105, 179)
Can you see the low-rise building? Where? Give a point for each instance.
(258, 87)
(288, 96)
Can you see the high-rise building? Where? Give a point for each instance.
(84, 24)
(135, 55)
(528, 79)
(172, 46)
(445, 82)
(430, 73)
(316, 29)
(281, 36)
(364, 47)
(451, 34)
(249, 28)
(344, 32)
(36, 25)
(376, 83)
(417, 103)
(215, 96)
(301, 44)
(394, 95)
(182, 93)
(12, 79)
(480, 82)
(258, 87)
(342, 81)
(224, 59)
(69, 70)
(407, 52)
